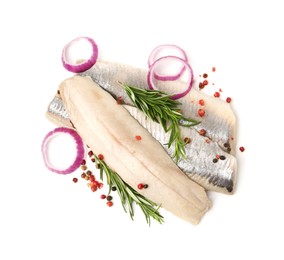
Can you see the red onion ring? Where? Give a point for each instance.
(151, 75)
(79, 146)
(81, 67)
(154, 56)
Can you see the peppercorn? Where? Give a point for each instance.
(113, 188)
(226, 145)
(100, 156)
(202, 132)
(83, 175)
(146, 186)
(103, 196)
(215, 160)
(216, 94)
(98, 166)
(228, 99)
(140, 186)
(187, 140)
(222, 157)
(201, 112)
(205, 75)
(242, 149)
(109, 198)
(201, 102)
(75, 180)
(138, 137)
(201, 86)
(229, 149)
(84, 167)
(109, 203)
(213, 69)
(90, 153)
(93, 160)
(94, 188)
(83, 162)
(205, 82)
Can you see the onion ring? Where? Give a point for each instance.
(154, 56)
(86, 64)
(151, 75)
(79, 146)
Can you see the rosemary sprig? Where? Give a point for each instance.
(162, 109)
(128, 195)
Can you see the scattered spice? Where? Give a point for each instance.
(215, 160)
(119, 100)
(220, 90)
(229, 149)
(242, 149)
(75, 180)
(226, 145)
(187, 140)
(201, 112)
(205, 82)
(140, 186)
(103, 196)
(216, 94)
(201, 102)
(146, 186)
(100, 156)
(89, 173)
(201, 86)
(98, 166)
(205, 75)
(222, 157)
(113, 188)
(213, 69)
(202, 132)
(138, 137)
(83, 175)
(93, 160)
(109, 198)
(94, 188)
(109, 203)
(90, 153)
(217, 156)
(228, 99)
(83, 162)
(84, 167)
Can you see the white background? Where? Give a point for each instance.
(46, 216)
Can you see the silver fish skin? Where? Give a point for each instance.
(198, 164)
(219, 120)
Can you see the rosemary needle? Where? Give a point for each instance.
(162, 109)
(128, 195)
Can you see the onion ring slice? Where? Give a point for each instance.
(79, 146)
(152, 71)
(85, 64)
(170, 48)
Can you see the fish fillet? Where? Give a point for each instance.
(219, 120)
(109, 129)
(198, 163)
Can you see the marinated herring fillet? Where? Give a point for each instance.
(219, 120)
(200, 152)
(110, 130)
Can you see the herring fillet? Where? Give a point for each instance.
(109, 129)
(219, 120)
(197, 165)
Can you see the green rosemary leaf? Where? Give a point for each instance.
(128, 195)
(162, 109)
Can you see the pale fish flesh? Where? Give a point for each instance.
(219, 120)
(92, 111)
(198, 163)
